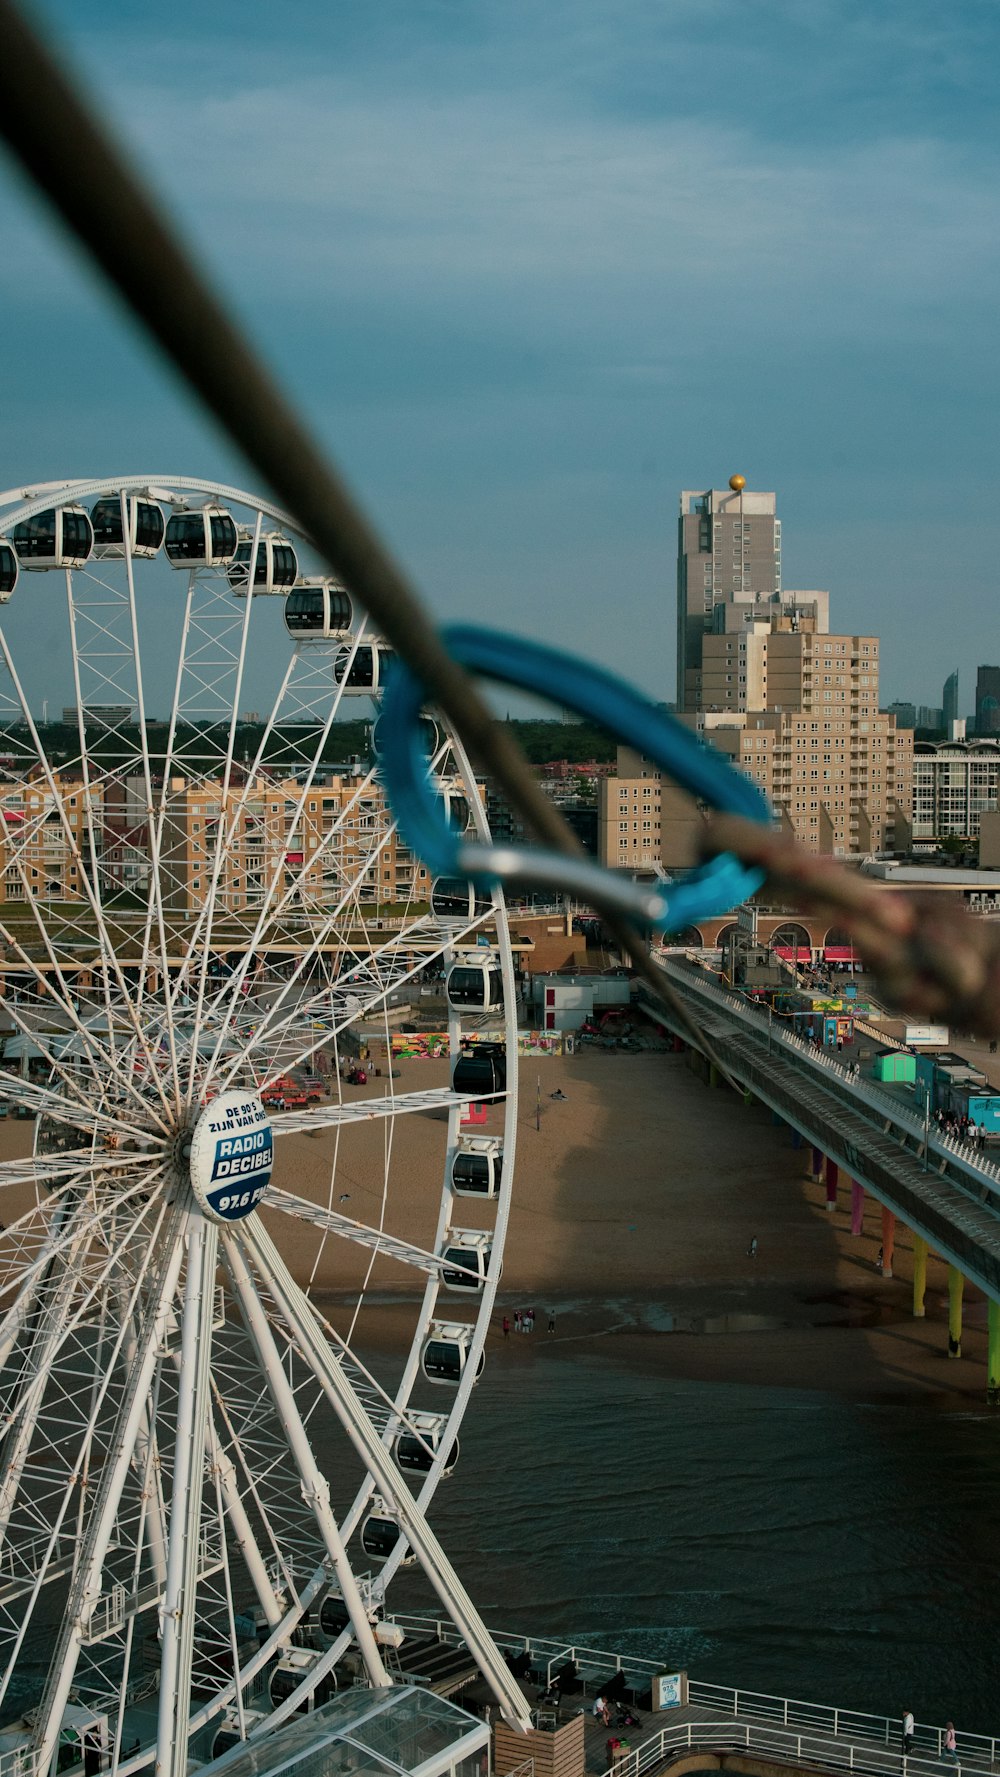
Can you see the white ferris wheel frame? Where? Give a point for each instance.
(105, 1080)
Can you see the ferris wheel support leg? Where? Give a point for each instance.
(178, 1615)
(315, 1489)
(86, 1586)
(246, 1542)
(299, 1314)
(148, 1464)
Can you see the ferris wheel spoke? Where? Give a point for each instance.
(238, 815)
(315, 1487)
(274, 904)
(389, 966)
(324, 1014)
(68, 1303)
(243, 1531)
(44, 1102)
(109, 959)
(430, 1099)
(155, 930)
(211, 900)
(300, 1315)
(362, 1234)
(62, 1456)
(78, 1042)
(85, 1587)
(51, 1244)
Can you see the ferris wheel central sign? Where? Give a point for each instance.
(232, 1154)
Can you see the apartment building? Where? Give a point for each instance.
(38, 856)
(761, 677)
(341, 836)
(844, 786)
(844, 789)
(629, 814)
(954, 785)
(773, 666)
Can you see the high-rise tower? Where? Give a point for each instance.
(949, 703)
(728, 553)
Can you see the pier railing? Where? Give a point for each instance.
(785, 1746)
(731, 1715)
(827, 1719)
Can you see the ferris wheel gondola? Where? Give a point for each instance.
(360, 669)
(276, 564)
(8, 569)
(318, 609)
(146, 526)
(207, 538)
(57, 537)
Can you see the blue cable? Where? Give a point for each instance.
(713, 888)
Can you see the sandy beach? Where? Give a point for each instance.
(634, 1206)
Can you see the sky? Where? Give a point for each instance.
(531, 267)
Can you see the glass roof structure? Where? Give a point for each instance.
(402, 1731)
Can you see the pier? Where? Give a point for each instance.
(718, 1727)
(863, 1139)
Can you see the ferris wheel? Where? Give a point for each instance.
(211, 1465)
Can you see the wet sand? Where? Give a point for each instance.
(634, 1206)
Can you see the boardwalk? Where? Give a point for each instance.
(947, 1194)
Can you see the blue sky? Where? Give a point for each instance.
(531, 268)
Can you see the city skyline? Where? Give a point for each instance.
(530, 274)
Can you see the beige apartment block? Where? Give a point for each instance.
(844, 786)
(342, 836)
(629, 812)
(40, 855)
(775, 668)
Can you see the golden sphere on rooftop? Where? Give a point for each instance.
(737, 483)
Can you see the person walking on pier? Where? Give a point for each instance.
(907, 1732)
(950, 1743)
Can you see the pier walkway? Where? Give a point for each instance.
(942, 1189)
(720, 1726)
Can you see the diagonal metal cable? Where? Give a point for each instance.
(55, 135)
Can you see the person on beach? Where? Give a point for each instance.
(517, 1320)
(752, 1248)
(552, 1320)
(531, 1320)
(907, 1713)
(506, 1326)
(950, 1743)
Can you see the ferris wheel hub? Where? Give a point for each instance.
(231, 1156)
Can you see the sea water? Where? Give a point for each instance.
(776, 1539)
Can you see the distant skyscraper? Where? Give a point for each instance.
(949, 702)
(728, 552)
(759, 673)
(988, 700)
